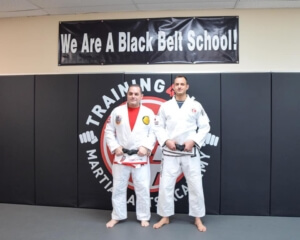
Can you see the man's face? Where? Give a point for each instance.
(134, 97)
(180, 86)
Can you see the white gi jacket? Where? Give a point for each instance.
(179, 124)
(118, 132)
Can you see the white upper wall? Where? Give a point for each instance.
(268, 42)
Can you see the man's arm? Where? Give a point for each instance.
(160, 127)
(110, 136)
(203, 127)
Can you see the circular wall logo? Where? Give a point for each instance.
(94, 148)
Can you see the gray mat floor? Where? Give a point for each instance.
(26, 222)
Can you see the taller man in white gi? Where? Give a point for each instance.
(130, 137)
(181, 127)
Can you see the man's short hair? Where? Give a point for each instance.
(181, 76)
(135, 85)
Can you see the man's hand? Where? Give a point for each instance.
(171, 144)
(119, 151)
(142, 151)
(189, 144)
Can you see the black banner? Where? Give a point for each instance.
(149, 41)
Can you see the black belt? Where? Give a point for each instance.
(129, 151)
(180, 147)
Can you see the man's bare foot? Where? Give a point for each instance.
(200, 225)
(111, 223)
(144, 223)
(163, 221)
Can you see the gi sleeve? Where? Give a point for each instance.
(110, 133)
(160, 127)
(203, 127)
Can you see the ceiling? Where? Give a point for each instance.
(22, 8)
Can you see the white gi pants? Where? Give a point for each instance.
(171, 169)
(141, 182)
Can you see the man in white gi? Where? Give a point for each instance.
(180, 128)
(130, 137)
